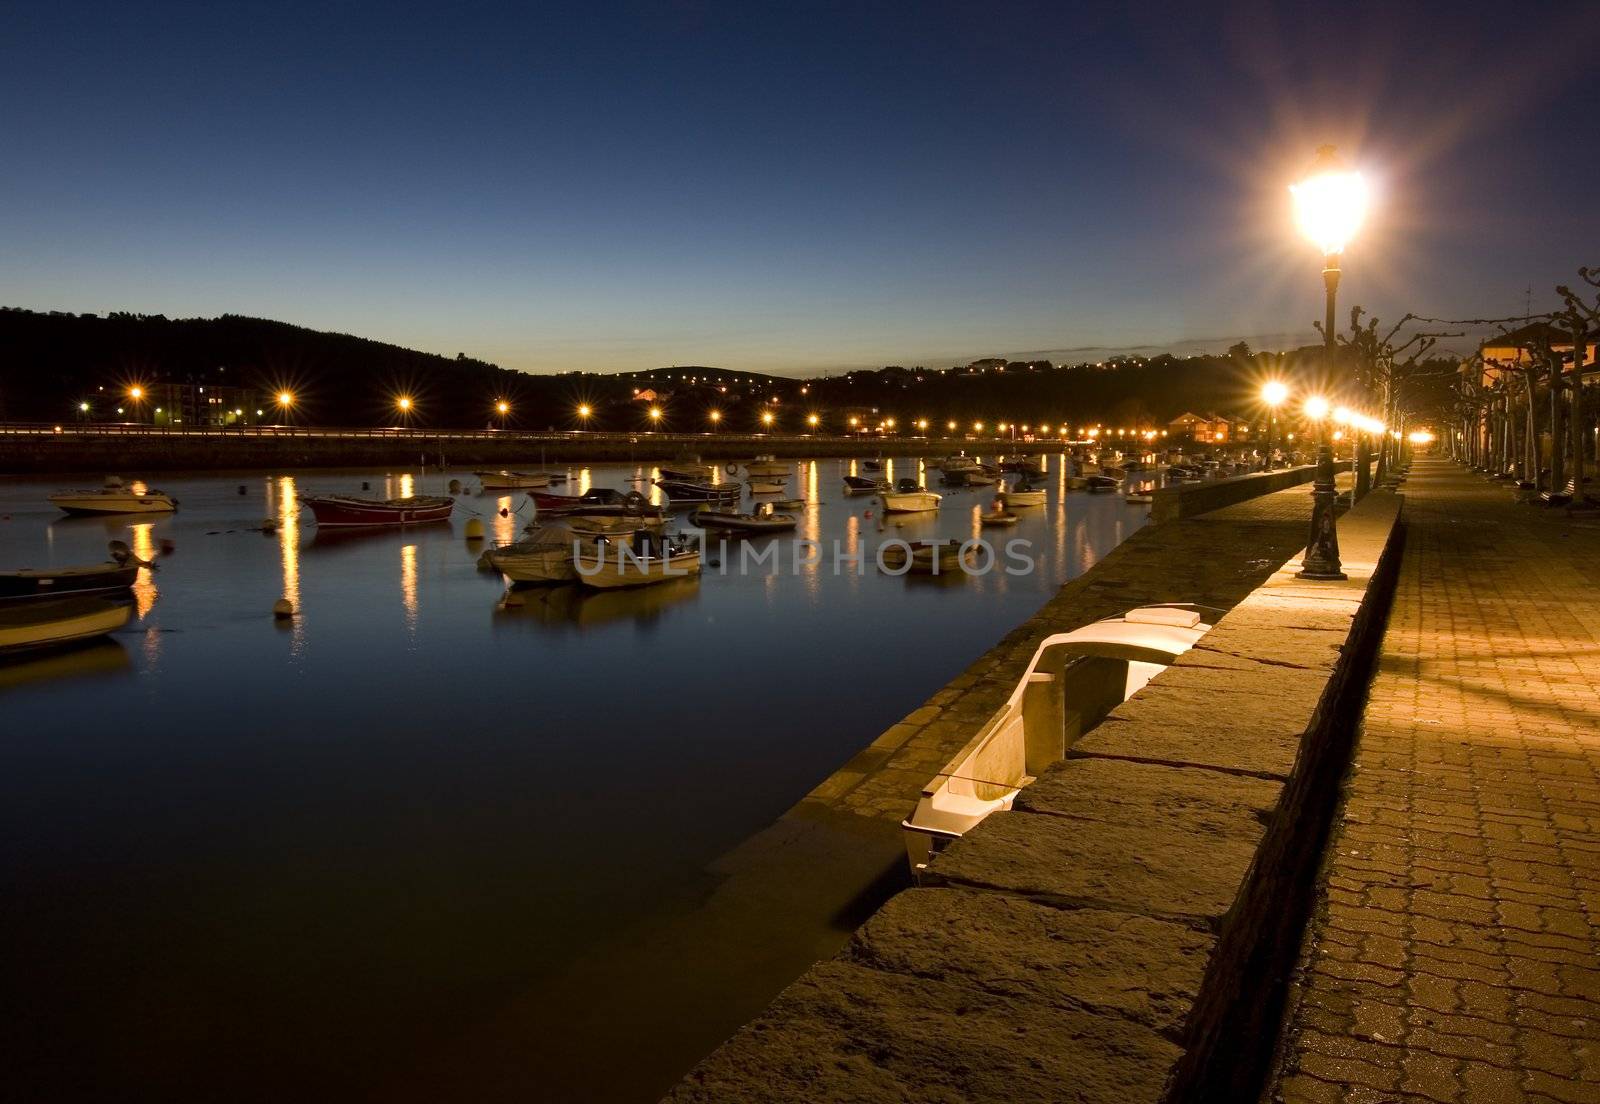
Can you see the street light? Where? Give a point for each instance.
(766, 418)
(1273, 394)
(812, 420)
(716, 416)
(655, 415)
(1328, 207)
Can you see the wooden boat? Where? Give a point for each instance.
(871, 465)
(765, 466)
(681, 491)
(1022, 465)
(926, 557)
(32, 583)
(1073, 682)
(642, 561)
(352, 512)
(512, 481)
(958, 462)
(1103, 482)
(603, 525)
(859, 485)
(697, 474)
(967, 477)
(788, 504)
(763, 520)
(1025, 495)
(1001, 518)
(114, 498)
(909, 498)
(545, 557)
(766, 486)
(27, 625)
(598, 502)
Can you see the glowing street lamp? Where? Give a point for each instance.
(715, 416)
(766, 418)
(1329, 205)
(502, 407)
(404, 403)
(655, 415)
(813, 420)
(1273, 395)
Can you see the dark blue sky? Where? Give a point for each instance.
(788, 187)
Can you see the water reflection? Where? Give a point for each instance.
(505, 520)
(103, 657)
(569, 607)
(289, 555)
(408, 585)
(145, 590)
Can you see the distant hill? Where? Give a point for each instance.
(51, 362)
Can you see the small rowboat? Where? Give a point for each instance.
(1139, 498)
(998, 518)
(926, 557)
(598, 502)
(546, 557)
(1022, 495)
(697, 474)
(29, 583)
(762, 521)
(765, 467)
(610, 565)
(114, 498)
(512, 481)
(858, 485)
(350, 512)
(766, 486)
(682, 491)
(788, 504)
(60, 621)
(1103, 483)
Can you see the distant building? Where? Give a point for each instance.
(1207, 429)
(1519, 347)
(193, 404)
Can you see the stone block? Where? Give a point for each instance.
(1108, 963)
(844, 1033)
(1114, 791)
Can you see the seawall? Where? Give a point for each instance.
(1122, 935)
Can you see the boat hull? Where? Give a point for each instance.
(358, 513)
(617, 571)
(96, 502)
(910, 502)
(99, 579)
(65, 621)
(512, 481)
(543, 565)
(1024, 498)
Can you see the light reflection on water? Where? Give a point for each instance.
(404, 815)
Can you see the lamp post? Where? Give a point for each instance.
(1328, 206)
(1273, 393)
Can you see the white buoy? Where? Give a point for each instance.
(282, 608)
(474, 529)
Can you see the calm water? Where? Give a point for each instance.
(246, 859)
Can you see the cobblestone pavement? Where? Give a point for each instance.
(1453, 953)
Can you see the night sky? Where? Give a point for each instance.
(793, 188)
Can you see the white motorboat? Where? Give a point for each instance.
(58, 621)
(513, 481)
(114, 498)
(1074, 681)
(611, 564)
(1024, 495)
(909, 498)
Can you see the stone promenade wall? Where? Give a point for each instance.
(1187, 500)
(1122, 935)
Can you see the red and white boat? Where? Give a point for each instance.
(349, 512)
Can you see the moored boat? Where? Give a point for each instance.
(686, 492)
(765, 466)
(1024, 494)
(596, 502)
(763, 520)
(512, 481)
(909, 498)
(766, 486)
(351, 511)
(860, 485)
(114, 498)
(29, 625)
(642, 561)
(1073, 682)
(1001, 518)
(1102, 482)
(51, 582)
(926, 557)
(545, 557)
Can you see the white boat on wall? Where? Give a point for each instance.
(114, 498)
(1074, 680)
(909, 498)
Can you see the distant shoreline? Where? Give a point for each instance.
(72, 452)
